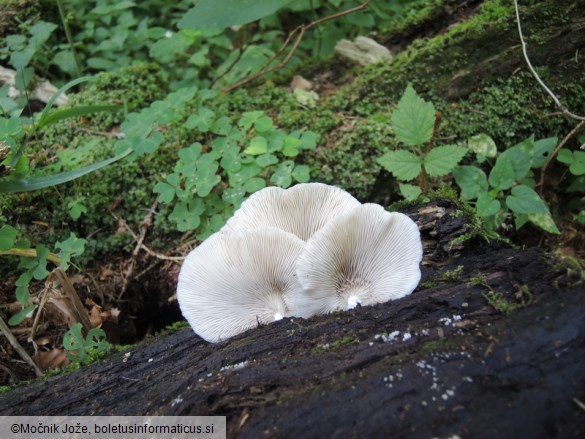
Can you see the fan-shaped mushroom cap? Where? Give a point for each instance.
(364, 256)
(233, 282)
(302, 209)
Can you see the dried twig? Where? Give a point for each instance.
(559, 104)
(18, 348)
(299, 32)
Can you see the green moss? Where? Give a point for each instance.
(443, 277)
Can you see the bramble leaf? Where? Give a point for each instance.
(414, 118)
(442, 159)
(404, 165)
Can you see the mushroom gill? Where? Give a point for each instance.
(364, 256)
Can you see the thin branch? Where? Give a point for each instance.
(18, 348)
(558, 103)
(573, 132)
(301, 32)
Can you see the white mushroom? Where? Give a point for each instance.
(364, 256)
(302, 209)
(234, 282)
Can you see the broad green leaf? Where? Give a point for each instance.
(471, 180)
(525, 200)
(263, 124)
(483, 146)
(301, 173)
(72, 246)
(486, 205)
(248, 119)
(502, 174)
(542, 150)
(520, 157)
(258, 146)
(291, 146)
(234, 195)
(282, 174)
(308, 140)
(266, 160)
(226, 13)
(221, 126)
(22, 293)
(187, 214)
(414, 119)
(575, 160)
(409, 192)
(53, 180)
(17, 318)
(544, 221)
(202, 120)
(404, 165)
(7, 237)
(442, 159)
(41, 272)
(254, 184)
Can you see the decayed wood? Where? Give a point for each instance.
(439, 362)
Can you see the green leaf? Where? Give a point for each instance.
(575, 160)
(409, 191)
(248, 119)
(7, 237)
(67, 113)
(72, 246)
(520, 157)
(486, 205)
(542, 150)
(254, 184)
(525, 200)
(53, 180)
(266, 160)
(282, 174)
(187, 215)
(301, 173)
(258, 146)
(544, 221)
(166, 191)
(414, 119)
(291, 146)
(442, 159)
(59, 92)
(263, 124)
(22, 293)
(483, 146)
(17, 318)
(202, 120)
(502, 174)
(404, 165)
(76, 208)
(226, 13)
(471, 180)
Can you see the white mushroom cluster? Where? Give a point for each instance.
(311, 249)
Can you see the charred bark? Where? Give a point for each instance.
(440, 362)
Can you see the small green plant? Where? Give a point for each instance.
(508, 188)
(210, 180)
(86, 349)
(415, 123)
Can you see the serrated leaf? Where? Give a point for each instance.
(502, 174)
(226, 13)
(525, 200)
(404, 165)
(409, 192)
(442, 159)
(486, 205)
(471, 180)
(414, 118)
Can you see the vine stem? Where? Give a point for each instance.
(69, 37)
(557, 101)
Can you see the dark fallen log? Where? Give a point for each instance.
(438, 363)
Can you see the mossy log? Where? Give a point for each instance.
(492, 344)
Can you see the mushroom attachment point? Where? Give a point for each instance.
(363, 257)
(233, 282)
(301, 210)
